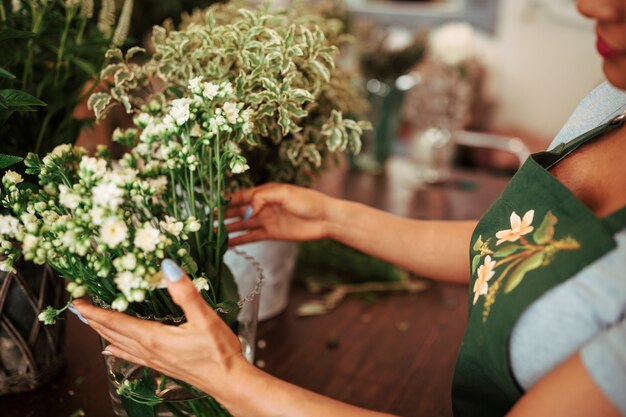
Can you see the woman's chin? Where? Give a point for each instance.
(615, 73)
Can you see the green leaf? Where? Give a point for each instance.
(507, 250)
(335, 140)
(8, 160)
(478, 244)
(534, 261)
(6, 74)
(475, 262)
(229, 295)
(16, 98)
(99, 102)
(134, 51)
(114, 53)
(545, 231)
(16, 34)
(3, 103)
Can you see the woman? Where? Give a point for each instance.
(546, 332)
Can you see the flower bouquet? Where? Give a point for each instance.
(106, 227)
(271, 71)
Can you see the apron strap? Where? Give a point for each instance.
(615, 221)
(550, 158)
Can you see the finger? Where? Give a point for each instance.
(120, 352)
(253, 235)
(185, 294)
(239, 225)
(113, 320)
(129, 344)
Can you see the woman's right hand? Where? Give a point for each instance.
(279, 212)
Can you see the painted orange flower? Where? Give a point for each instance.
(485, 273)
(519, 227)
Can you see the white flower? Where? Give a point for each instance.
(147, 238)
(11, 178)
(30, 222)
(9, 225)
(119, 304)
(113, 232)
(94, 166)
(68, 198)
(107, 194)
(172, 226)
(76, 290)
(192, 225)
(128, 262)
(231, 111)
(201, 284)
(210, 91)
(30, 243)
(97, 215)
(56, 152)
(238, 164)
(195, 85)
(49, 315)
(180, 110)
(453, 43)
(6, 265)
(138, 295)
(127, 281)
(16, 5)
(143, 120)
(227, 89)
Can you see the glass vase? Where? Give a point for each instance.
(138, 391)
(31, 354)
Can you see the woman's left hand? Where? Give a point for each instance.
(203, 351)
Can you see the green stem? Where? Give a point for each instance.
(42, 130)
(81, 31)
(3, 14)
(68, 20)
(174, 199)
(220, 214)
(28, 65)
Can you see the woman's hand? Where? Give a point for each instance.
(203, 352)
(279, 212)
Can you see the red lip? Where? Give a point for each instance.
(605, 50)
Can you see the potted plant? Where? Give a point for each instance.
(50, 50)
(279, 70)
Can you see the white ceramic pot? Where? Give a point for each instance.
(278, 260)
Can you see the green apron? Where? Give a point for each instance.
(535, 236)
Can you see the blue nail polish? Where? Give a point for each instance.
(248, 213)
(171, 270)
(77, 314)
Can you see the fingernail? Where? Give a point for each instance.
(248, 213)
(77, 314)
(106, 353)
(171, 270)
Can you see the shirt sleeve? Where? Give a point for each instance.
(605, 360)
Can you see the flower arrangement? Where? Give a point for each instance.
(273, 69)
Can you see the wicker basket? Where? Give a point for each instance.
(31, 354)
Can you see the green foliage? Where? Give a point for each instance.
(50, 51)
(8, 160)
(281, 64)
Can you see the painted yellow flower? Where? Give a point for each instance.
(485, 273)
(519, 227)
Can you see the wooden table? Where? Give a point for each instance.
(395, 355)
